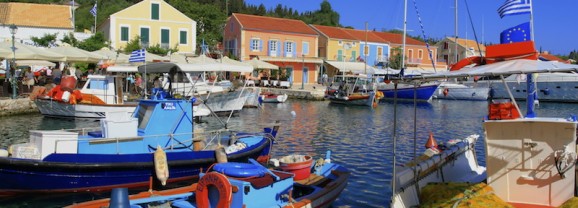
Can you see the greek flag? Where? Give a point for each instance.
(93, 10)
(513, 7)
(137, 56)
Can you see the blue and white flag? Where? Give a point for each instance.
(93, 10)
(513, 7)
(137, 56)
(519, 33)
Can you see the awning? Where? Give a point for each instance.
(122, 68)
(294, 60)
(350, 67)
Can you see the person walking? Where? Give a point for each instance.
(56, 76)
(29, 78)
(138, 84)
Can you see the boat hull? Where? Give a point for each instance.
(354, 100)
(274, 98)
(103, 172)
(224, 102)
(462, 92)
(51, 108)
(555, 87)
(422, 93)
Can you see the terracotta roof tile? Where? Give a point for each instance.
(551, 57)
(395, 38)
(273, 24)
(334, 32)
(36, 15)
(361, 36)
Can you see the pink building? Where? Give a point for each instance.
(290, 44)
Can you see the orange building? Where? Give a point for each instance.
(290, 44)
(416, 53)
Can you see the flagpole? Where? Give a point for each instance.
(95, 14)
(532, 21)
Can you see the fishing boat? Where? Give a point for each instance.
(99, 95)
(423, 92)
(247, 185)
(353, 89)
(530, 160)
(269, 97)
(120, 153)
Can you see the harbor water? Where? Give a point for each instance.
(360, 138)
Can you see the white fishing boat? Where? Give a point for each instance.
(456, 91)
(554, 87)
(99, 95)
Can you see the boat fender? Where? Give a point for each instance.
(221, 154)
(446, 91)
(240, 170)
(546, 91)
(223, 186)
(161, 166)
(3, 153)
(65, 96)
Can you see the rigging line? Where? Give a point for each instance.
(474, 30)
(424, 36)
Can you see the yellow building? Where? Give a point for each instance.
(337, 45)
(155, 22)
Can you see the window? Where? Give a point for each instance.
(255, 44)
(445, 45)
(366, 50)
(155, 11)
(353, 44)
(289, 47)
(340, 55)
(182, 37)
(273, 48)
(144, 36)
(165, 38)
(420, 54)
(305, 48)
(123, 33)
(340, 42)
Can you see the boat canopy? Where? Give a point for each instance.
(518, 66)
(336, 67)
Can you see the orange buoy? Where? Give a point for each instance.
(431, 142)
(446, 92)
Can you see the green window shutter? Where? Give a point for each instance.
(144, 35)
(165, 36)
(155, 11)
(183, 37)
(339, 55)
(353, 55)
(123, 33)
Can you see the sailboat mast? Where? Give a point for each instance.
(456, 32)
(404, 34)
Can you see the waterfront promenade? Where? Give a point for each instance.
(23, 105)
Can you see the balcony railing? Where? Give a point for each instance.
(414, 60)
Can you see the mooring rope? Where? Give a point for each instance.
(424, 36)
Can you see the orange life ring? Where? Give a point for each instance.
(446, 92)
(223, 186)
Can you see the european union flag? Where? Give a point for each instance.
(518, 33)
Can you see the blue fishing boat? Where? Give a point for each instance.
(120, 153)
(422, 92)
(244, 185)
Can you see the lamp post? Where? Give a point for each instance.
(13, 81)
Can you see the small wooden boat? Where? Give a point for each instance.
(353, 90)
(269, 97)
(247, 185)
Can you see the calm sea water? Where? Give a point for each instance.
(360, 138)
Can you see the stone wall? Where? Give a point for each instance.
(9, 107)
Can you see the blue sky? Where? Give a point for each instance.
(554, 20)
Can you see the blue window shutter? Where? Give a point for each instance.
(260, 45)
(285, 53)
(293, 46)
(251, 44)
(269, 48)
(279, 49)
